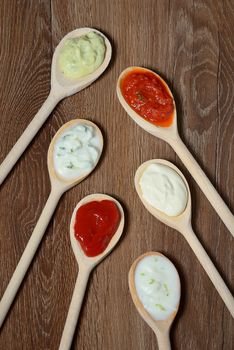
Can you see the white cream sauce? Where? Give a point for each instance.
(158, 286)
(76, 151)
(163, 188)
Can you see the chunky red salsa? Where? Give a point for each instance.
(95, 224)
(148, 96)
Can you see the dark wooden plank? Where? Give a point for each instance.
(25, 31)
(189, 43)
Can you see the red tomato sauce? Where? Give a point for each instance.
(148, 96)
(95, 224)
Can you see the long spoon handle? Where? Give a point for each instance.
(210, 269)
(163, 339)
(204, 183)
(28, 135)
(74, 309)
(28, 254)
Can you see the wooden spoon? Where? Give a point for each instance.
(170, 135)
(61, 87)
(182, 223)
(161, 328)
(86, 265)
(58, 186)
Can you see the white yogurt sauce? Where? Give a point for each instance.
(158, 286)
(163, 188)
(76, 151)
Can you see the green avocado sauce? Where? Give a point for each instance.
(81, 56)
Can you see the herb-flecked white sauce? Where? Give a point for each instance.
(76, 151)
(157, 285)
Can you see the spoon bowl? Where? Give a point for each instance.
(176, 222)
(58, 186)
(57, 179)
(182, 223)
(160, 327)
(61, 87)
(86, 264)
(65, 86)
(163, 133)
(78, 252)
(170, 135)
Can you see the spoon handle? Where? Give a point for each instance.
(209, 267)
(28, 134)
(204, 183)
(163, 339)
(74, 309)
(28, 254)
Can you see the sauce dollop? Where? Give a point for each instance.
(158, 286)
(148, 97)
(76, 151)
(82, 56)
(95, 224)
(164, 189)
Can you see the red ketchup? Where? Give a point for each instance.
(95, 224)
(148, 96)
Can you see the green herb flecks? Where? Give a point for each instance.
(162, 308)
(142, 274)
(166, 289)
(70, 166)
(151, 281)
(140, 96)
(65, 137)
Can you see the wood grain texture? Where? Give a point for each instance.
(190, 43)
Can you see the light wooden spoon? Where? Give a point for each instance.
(61, 87)
(86, 265)
(58, 186)
(161, 328)
(170, 135)
(182, 223)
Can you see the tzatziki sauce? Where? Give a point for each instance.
(164, 189)
(76, 151)
(158, 286)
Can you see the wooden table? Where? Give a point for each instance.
(190, 43)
